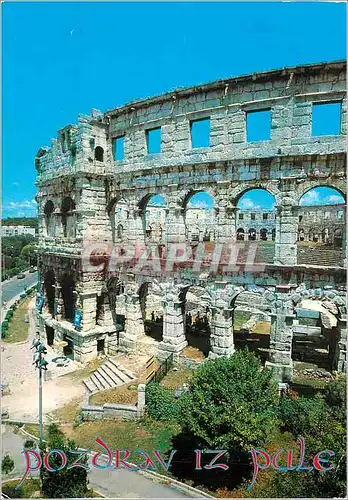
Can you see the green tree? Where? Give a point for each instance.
(29, 254)
(7, 464)
(232, 403)
(65, 483)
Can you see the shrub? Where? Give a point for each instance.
(232, 403)
(29, 443)
(7, 464)
(161, 404)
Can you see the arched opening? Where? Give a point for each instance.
(338, 237)
(153, 211)
(69, 296)
(199, 216)
(240, 234)
(256, 215)
(197, 320)
(118, 216)
(152, 311)
(322, 205)
(314, 336)
(301, 235)
(68, 217)
(49, 282)
(99, 153)
(251, 323)
(117, 301)
(263, 234)
(49, 222)
(252, 234)
(119, 232)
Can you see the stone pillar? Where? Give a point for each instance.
(286, 230)
(221, 339)
(225, 222)
(58, 303)
(141, 400)
(134, 325)
(340, 356)
(222, 296)
(174, 339)
(89, 311)
(105, 317)
(136, 232)
(282, 316)
(175, 223)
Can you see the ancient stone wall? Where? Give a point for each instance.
(81, 186)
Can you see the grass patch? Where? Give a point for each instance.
(146, 435)
(121, 395)
(17, 329)
(26, 490)
(33, 429)
(177, 378)
(69, 411)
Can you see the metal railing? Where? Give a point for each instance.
(156, 375)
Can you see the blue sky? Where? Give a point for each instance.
(62, 59)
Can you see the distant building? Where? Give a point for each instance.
(17, 231)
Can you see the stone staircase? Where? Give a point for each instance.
(111, 374)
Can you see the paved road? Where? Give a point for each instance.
(15, 286)
(111, 483)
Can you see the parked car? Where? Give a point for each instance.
(20, 276)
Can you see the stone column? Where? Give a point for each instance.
(175, 230)
(221, 339)
(174, 339)
(225, 222)
(136, 232)
(286, 231)
(89, 311)
(58, 303)
(282, 316)
(105, 317)
(340, 356)
(222, 296)
(134, 325)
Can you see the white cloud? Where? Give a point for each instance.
(248, 204)
(197, 204)
(334, 198)
(19, 208)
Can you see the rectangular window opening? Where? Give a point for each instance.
(326, 118)
(241, 216)
(200, 133)
(252, 217)
(153, 140)
(118, 148)
(265, 216)
(258, 125)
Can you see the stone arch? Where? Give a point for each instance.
(49, 283)
(99, 154)
(151, 307)
(69, 296)
(263, 234)
(240, 190)
(240, 234)
(252, 234)
(196, 313)
(198, 209)
(49, 220)
(68, 217)
(118, 212)
(152, 208)
(307, 186)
